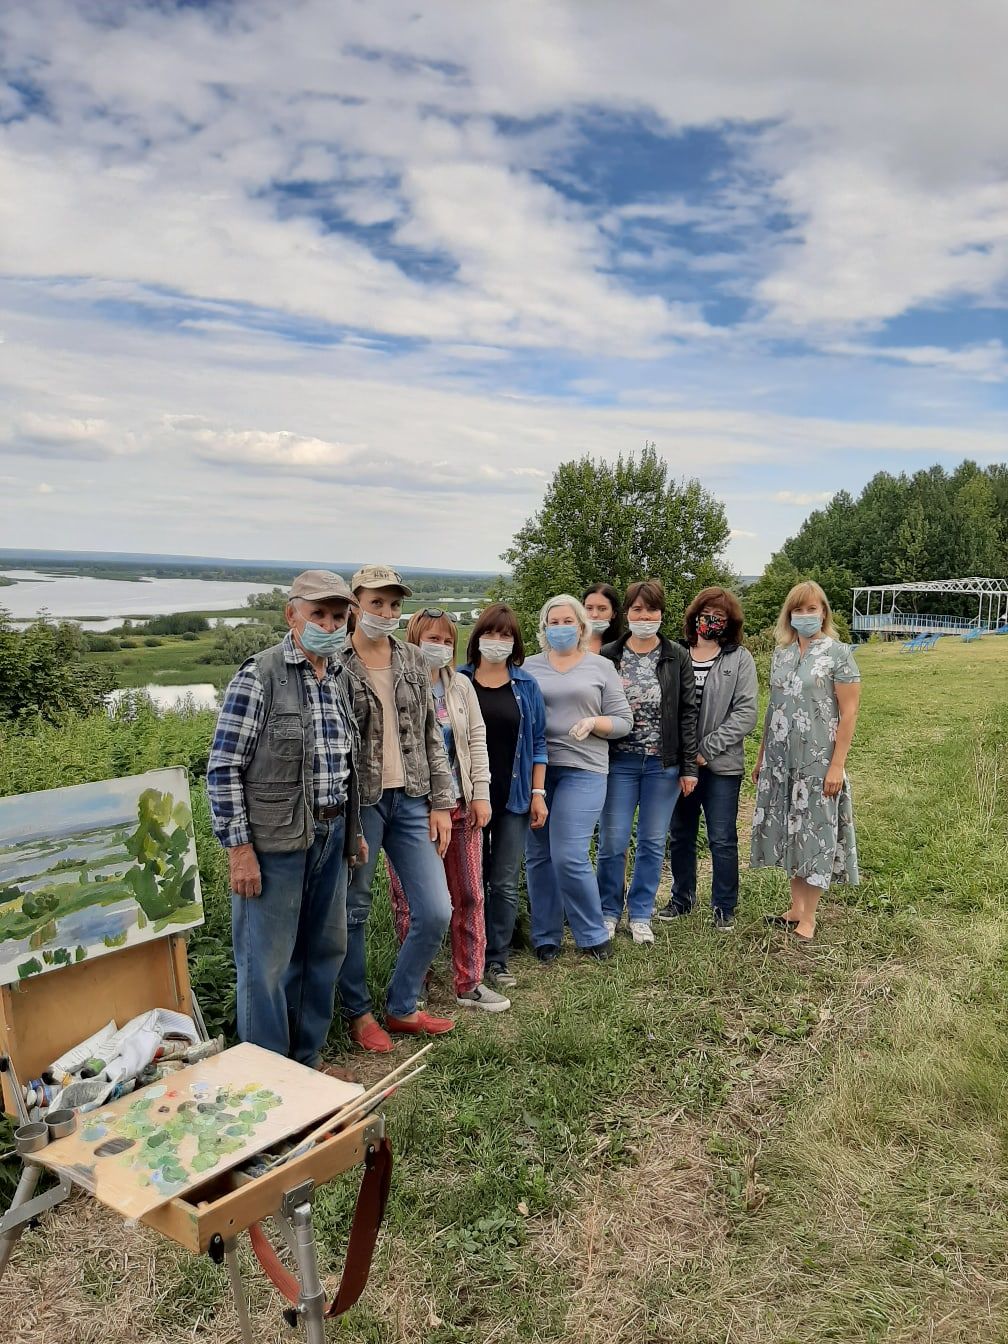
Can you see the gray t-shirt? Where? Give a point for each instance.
(591, 687)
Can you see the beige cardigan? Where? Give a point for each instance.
(470, 736)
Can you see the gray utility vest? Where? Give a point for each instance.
(278, 779)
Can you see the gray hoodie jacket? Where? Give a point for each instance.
(728, 710)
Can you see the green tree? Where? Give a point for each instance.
(43, 672)
(762, 600)
(617, 522)
(912, 544)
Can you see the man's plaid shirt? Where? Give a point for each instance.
(242, 719)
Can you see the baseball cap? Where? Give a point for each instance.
(317, 585)
(379, 576)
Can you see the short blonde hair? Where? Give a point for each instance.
(580, 615)
(807, 591)
(420, 623)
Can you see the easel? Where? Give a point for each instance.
(47, 1014)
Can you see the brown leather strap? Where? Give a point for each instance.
(367, 1220)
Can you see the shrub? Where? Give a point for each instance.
(152, 641)
(190, 636)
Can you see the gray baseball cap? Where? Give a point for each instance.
(379, 576)
(319, 585)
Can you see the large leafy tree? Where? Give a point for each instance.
(43, 672)
(614, 523)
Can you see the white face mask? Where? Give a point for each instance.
(436, 655)
(496, 650)
(644, 629)
(376, 627)
(599, 627)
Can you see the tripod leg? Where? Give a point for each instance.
(26, 1188)
(312, 1305)
(238, 1290)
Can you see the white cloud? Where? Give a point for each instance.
(803, 499)
(44, 488)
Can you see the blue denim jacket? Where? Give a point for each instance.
(531, 749)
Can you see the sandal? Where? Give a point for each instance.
(779, 921)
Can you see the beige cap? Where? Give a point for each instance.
(320, 585)
(379, 576)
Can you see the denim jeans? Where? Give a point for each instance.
(640, 784)
(561, 879)
(718, 796)
(400, 825)
(503, 846)
(289, 944)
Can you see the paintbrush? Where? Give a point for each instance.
(350, 1115)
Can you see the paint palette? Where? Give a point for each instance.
(147, 1147)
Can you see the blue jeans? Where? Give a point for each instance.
(400, 825)
(718, 796)
(561, 879)
(289, 945)
(640, 784)
(503, 846)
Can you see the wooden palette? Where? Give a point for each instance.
(146, 1148)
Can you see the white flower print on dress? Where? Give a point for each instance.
(800, 795)
(757, 816)
(802, 720)
(794, 823)
(779, 725)
(793, 687)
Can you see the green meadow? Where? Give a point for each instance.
(723, 1138)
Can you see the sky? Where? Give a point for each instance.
(282, 278)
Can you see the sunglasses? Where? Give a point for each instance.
(435, 614)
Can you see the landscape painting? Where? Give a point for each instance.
(93, 868)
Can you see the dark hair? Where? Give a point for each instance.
(498, 616)
(648, 591)
(715, 597)
(616, 625)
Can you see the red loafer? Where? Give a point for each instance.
(370, 1036)
(422, 1024)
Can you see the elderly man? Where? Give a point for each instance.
(282, 780)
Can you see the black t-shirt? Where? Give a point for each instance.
(500, 714)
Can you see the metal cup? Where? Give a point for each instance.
(30, 1138)
(61, 1123)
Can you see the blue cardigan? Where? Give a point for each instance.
(531, 749)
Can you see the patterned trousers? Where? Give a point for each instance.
(464, 870)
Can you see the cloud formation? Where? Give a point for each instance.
(419, 255)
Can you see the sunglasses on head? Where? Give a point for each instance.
(434, 613)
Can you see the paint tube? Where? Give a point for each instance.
(80, 1054)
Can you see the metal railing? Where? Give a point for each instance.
(907, 620)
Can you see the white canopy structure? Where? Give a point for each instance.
(879, 608)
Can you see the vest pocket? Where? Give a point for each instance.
(286, 737)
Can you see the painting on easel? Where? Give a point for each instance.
(92, 868)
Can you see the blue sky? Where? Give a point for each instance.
(354, 279)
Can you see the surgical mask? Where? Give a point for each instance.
(709, 627)
(806, 625)
(599, 627)
(644, 629)
(562, 638)
(496, 650)
(436, 655)
(375, 627)
(321, 643)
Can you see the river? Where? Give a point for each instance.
(105, 602)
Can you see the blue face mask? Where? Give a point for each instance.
(320, 642)
(806, 626)
(563, 638)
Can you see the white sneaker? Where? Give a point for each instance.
(641, 931)
(484, 998)
(610, 925)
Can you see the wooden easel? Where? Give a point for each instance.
(48, 1014)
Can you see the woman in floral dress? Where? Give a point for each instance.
(803, 820)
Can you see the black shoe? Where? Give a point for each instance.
(723, 921)
(670, 912)
(547, 954)
(601, 951)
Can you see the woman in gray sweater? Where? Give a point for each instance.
(585, 709)
(727, 699)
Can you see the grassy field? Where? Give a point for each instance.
(723, 1138)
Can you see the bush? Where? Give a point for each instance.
(100, 643)
(178, 623)
(43, 672)
(233, 644)
(129, 643)
(190, 636)
(152, 642)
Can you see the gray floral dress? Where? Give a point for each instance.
(795, 827)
